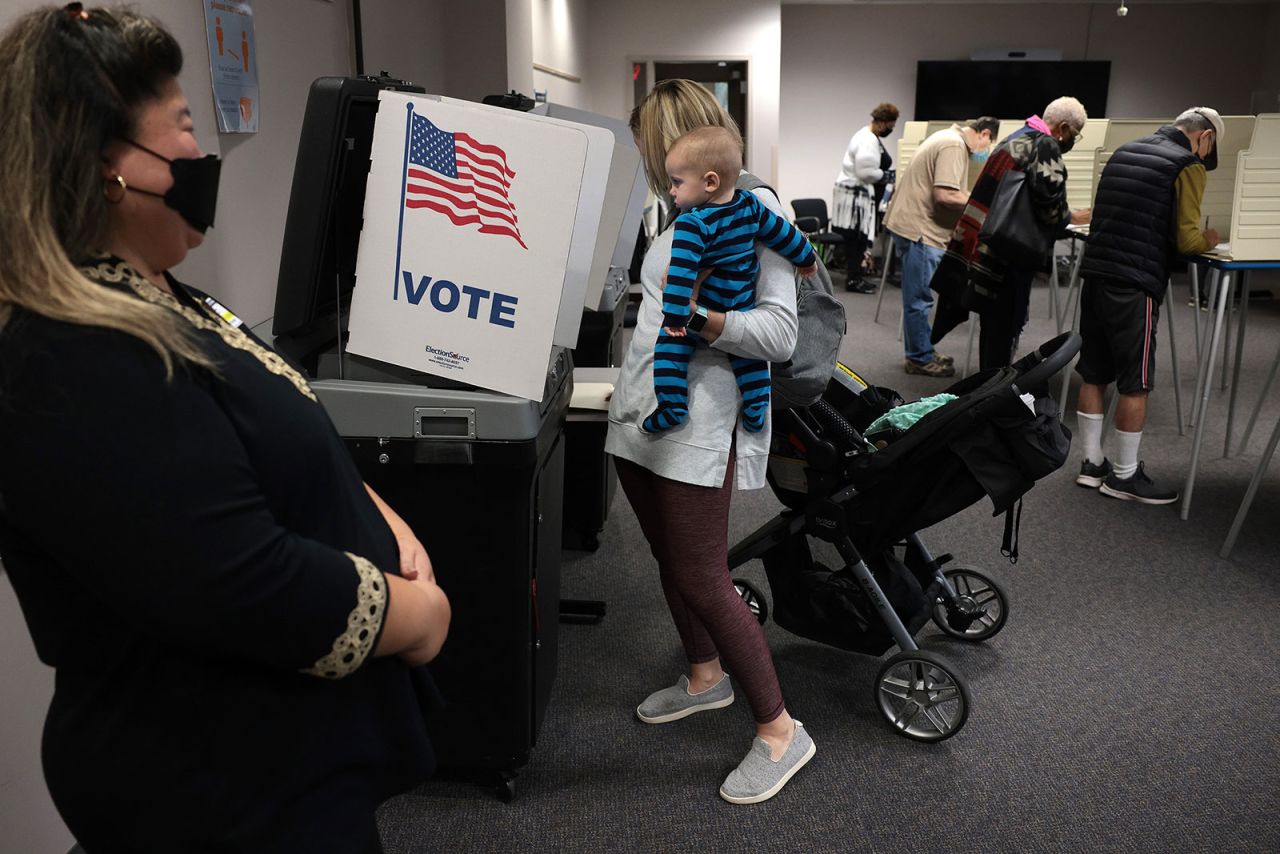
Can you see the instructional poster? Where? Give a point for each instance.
(233, 64)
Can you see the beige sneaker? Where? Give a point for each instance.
(943, 358)
(929, 369)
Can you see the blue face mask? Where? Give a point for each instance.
(979, 156)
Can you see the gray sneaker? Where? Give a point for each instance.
(1092, 475)
(929, 369)
(1137, 487)
(674, 703)
(758, 778)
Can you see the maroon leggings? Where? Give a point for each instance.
(687, 528)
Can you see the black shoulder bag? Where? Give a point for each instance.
(1011, 230)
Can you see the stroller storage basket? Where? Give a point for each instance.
(814, 602)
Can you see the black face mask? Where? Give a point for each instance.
(1210, 160)
(884, 132)
(194, 193)
(1069, 144)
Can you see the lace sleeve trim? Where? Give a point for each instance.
(353, 646)
(117, 272)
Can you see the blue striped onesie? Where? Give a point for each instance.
(720, 238)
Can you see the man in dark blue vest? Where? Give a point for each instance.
(1146, 214)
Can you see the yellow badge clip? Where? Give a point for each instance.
(223, 312)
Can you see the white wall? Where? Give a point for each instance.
(618, 32)
(840, 61)
(405, 39)
(560, 42)
(519, 46)
(298, 41)
(28, 821)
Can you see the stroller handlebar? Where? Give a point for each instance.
(1037, 367)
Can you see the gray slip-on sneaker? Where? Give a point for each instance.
(674, 703)
(758, 778)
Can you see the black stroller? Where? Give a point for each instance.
(869, 495)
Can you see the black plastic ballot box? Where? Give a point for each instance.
(479, 476)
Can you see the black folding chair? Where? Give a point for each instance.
(811, 218)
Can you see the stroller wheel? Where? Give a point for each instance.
(754, 599)
(979, 610)
(922, 696)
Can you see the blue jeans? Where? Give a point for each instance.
(918, 261)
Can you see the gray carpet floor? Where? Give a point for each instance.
(1131, 703)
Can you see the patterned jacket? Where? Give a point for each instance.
(969, 271)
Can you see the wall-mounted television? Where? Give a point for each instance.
(1014, 89)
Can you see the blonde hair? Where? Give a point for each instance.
(710, 149)
(71, 80)
(670, 110)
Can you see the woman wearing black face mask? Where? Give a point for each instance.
(975, 277)
(864, 174)
(237, 625)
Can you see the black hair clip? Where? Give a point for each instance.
(76, 10)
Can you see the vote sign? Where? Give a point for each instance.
(468, 223)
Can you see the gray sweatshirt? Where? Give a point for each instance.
(697, 451)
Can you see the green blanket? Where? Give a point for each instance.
(903, 417)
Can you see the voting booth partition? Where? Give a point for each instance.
(1255, 226)
(1117, 133)
(592, 481)
(914, 133)
(1079, 163)
(428, 252)
(1217, 207)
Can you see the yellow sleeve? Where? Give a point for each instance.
(1188, 192)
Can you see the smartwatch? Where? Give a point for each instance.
(699, 318)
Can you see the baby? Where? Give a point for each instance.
(713, 261)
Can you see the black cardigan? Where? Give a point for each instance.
(183, 550)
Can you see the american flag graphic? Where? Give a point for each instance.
(465, 180)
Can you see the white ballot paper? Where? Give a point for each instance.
(469, 222)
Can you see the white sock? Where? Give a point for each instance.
(1126, 461)
(1090, 429)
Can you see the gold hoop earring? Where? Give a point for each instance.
(113, 184)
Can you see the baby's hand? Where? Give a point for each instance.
(675, 331)
(808, 271)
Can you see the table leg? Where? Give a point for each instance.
(1262, 398)
(1215, 282)
(889, 253)
(1072, 300)
(1053, 288)
(1249, 493)
(1235, 375)
(1173, 358)
(1226, 349)
(1220, 310)
(1194, 271)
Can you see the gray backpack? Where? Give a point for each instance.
(802, 379)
